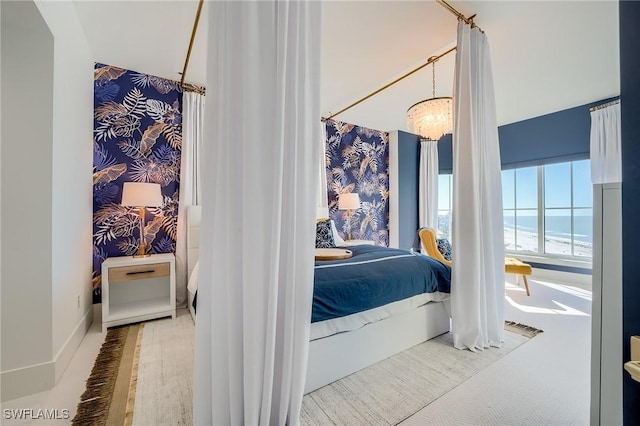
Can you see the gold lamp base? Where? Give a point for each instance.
(142, 248)
(142, 251)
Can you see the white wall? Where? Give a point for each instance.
(72, 208)
(27, 111)
(47, 104)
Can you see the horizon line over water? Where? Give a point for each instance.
(555, 226)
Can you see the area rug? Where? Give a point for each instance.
(164, 393)
(392, 390)
(111, 386)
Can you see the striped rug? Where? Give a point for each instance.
(392, 390)
(110, 392)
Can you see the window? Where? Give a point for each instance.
(520, 204)
(547, 209)
(445, 188)
(568, 213)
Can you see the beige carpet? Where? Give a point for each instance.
(383, 394)
(165, 373)
(392, 390)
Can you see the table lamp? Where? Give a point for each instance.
(348, 201)
(141, 195)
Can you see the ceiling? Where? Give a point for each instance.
(546, 55)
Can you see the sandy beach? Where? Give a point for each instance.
(528, 242)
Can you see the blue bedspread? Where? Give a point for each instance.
(373, 277)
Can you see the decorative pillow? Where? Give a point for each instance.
(444, 247)
(324, 234)
(336, 236)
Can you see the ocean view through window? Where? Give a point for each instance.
(548, 210)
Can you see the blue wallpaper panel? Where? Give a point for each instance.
(357, 160)
(137, 138)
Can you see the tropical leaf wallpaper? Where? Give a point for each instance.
(137, 138)
(357, 160)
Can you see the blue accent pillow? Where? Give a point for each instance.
(324, 234)
(444, 247)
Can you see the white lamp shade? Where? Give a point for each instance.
(349, 200)
(141, 194)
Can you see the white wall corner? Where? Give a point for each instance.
(27, 380)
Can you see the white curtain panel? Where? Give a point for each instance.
(477, 287)
(606, 151)
(190, 185)
(258, 212)
(428, 184)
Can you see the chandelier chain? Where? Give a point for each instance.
(433, 78)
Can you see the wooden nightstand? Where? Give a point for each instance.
(138, 289)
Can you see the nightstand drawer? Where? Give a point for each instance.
(139, 272)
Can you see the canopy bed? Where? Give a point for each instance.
(405, 305)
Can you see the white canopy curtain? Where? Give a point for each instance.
(605, 150)
(190, 185)
(477, 287)
(428, 184)
(258, 212)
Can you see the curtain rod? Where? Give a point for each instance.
(193, 36)
(595, 108)
(451, 9)
(429, 61)
(187, 87)
(459, 15)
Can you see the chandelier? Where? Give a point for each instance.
(433, 117)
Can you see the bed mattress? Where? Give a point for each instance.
(374, 276)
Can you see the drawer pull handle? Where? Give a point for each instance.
(141, 272)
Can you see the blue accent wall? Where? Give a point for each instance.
(630, 107)
(445, 154)
(408, 191)
(550, 138)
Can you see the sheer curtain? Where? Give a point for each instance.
(606, 151)
(190, 185)
(477, 288)
(258, 217)
(428, 184)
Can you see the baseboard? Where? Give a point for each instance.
(27, 380)
(64, 355)
(582, 280)
(37, 378)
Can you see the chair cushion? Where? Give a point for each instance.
(444, 247)
(515, 266)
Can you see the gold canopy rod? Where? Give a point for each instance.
(187, 87)
(193, 37)
(608, 104)
(429, 61)
(453, 10)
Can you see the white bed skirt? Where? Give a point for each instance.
(334, 357)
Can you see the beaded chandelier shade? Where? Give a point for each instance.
(433, 117)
